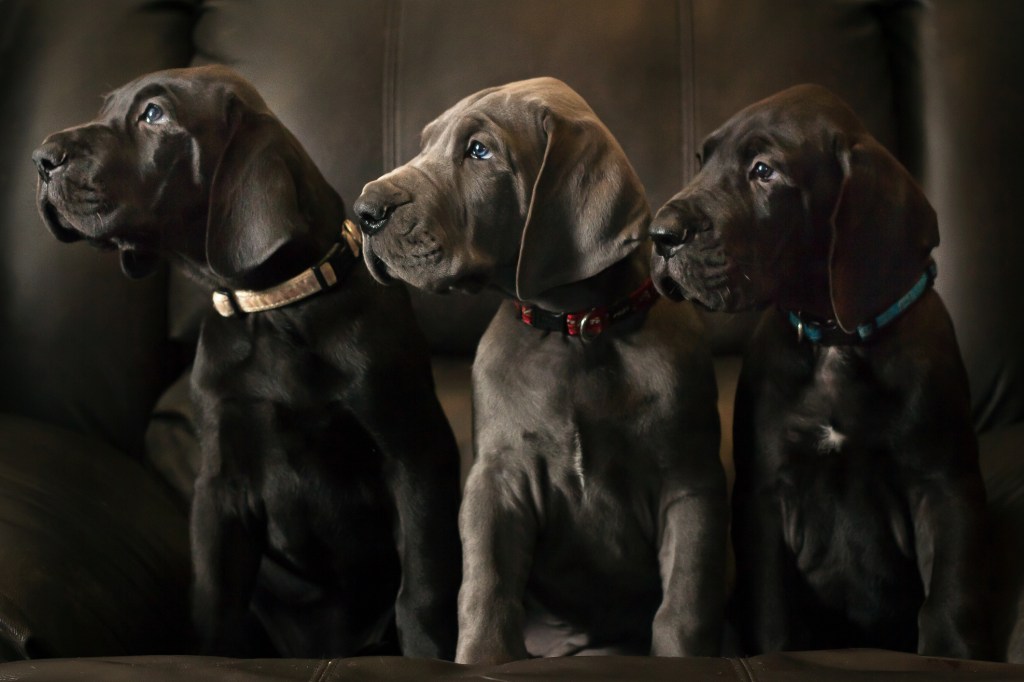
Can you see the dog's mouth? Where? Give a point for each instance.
(668, 288)
(73, 211)
(468, 284)
(56, 224)
(375, 264)
(714, 300)
(710, 285)
(418, 259)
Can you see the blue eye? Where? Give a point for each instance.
(476, 150)
(153, 113)
(762, 171)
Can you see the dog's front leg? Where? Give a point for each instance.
(225, 560)
(951, 545)
(422, 466)
(425, 482)
(765, 575)
(499, 527)
(692, 558)
(228, 531)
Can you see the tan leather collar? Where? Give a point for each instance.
(323, 275)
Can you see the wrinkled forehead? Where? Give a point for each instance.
(202, 86)
(518, 106)
(800, 118)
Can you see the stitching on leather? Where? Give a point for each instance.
(389, 111)
(320, 674)
(688, 87)
(13, 627)
(743, 671)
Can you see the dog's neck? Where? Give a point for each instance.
(291, 259)
(806, 288)
(611, 284)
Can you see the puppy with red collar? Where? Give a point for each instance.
(594, 518)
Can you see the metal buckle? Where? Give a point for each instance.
(583, 328)
(352, 236)
(224, 303)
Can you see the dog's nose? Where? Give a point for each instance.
(674, 226)
(668, 234)
(374, 210)
(49, 158)
(376, 204)
(667, 237)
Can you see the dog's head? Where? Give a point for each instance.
(520, 186)
(184, 162)
(796, 204)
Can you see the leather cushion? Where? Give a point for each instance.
(836, 666)
(1002, 466)
(95, 553)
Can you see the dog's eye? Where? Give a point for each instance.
(762, 171)
(153, 114)
(477, 150)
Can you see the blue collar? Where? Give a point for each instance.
(829, 333)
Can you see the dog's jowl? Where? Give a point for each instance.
(858, 508)
(321, 524)
(594, 518)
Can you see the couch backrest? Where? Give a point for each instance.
(357, 79)
(80, 345)
(974, 104)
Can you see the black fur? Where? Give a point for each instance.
(324, 515)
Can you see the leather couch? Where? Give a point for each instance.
(96, 445)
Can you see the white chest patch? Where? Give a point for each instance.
(578, 460)
(830, 440)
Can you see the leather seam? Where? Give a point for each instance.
(320, 674)
(688, 88)
(390, 110)
(742, 670)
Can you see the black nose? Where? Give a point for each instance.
(669, 232)
(49, 158)
(675, 225)
(373, 210)
(667, 237)
(377, 203)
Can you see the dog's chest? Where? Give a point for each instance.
(585, 415)
(578, 421)
(836, 411)
(296, 447)
(838, 479)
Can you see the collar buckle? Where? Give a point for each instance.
(590, 326)
(830, 333)
(225, 304)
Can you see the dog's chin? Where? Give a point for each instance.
(721, 298)
(467, 284)
(712, 300)
(725, 299)
(669, 288)
(437, 280)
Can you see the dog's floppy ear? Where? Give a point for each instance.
(254, 196)
(588, 209)
(883, 231)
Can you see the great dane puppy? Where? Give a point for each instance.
(327, 500)
(858, 507)
(594, 517)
